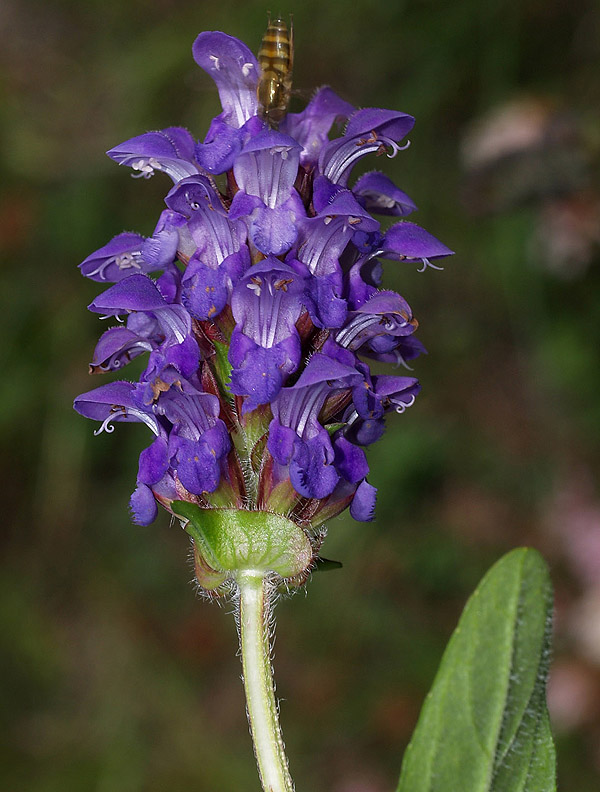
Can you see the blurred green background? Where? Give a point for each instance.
(116, 678)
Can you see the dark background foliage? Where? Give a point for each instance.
(115, 677)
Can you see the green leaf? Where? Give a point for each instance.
(235, 540)
(484, 725)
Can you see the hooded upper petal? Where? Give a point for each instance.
(170, 150)
(118, 259)
(406, 240)
(235, 71)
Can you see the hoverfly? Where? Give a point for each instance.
(276, 59)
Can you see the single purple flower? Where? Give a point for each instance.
(118, 259)
(408, 241)
(198, 439)
(117, 401)
(321, 242)
(170, 150)
(234, 69)
(295, 435)
(265, 344)
(235, 72)
(265, 171)
(369, 131)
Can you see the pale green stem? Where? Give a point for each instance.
(254, 603)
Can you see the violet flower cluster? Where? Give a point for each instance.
(258, 301)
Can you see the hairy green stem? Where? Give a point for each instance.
(254, 604)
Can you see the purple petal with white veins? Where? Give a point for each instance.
(267, 302)
(192, 193)
(267, 167)
(170, 150)
(210, 227)
(323, 238)
(235, 71)
(384, 313)
(372, 130)
(193, 413)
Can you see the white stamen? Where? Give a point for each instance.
(215, 60)
(247, 68)
(427, 263)
(112, 316)
(402, 406)
(106, 426)
(401, 362)
(381, 200)
(127, 261)
(396, 148)
(146, 167)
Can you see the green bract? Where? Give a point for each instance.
(231, 541)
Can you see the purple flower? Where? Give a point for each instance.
(118, 259)
(259, 301)
(265, 344)
(235, 72)
(369, 131)
(265, 171)
(170, 150)
(297, 438)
